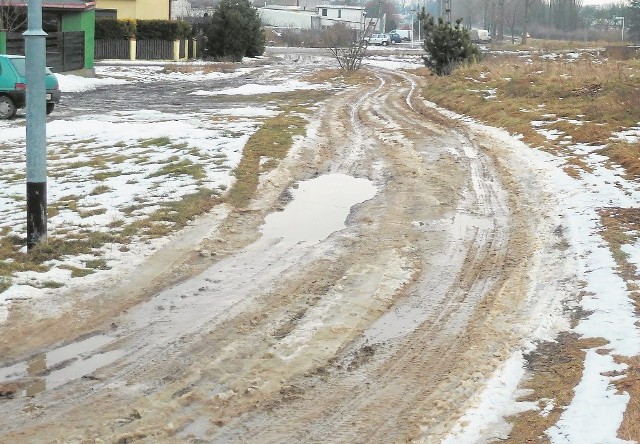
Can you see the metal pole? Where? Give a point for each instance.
(35, 54)
(621, 18)
(411, 32)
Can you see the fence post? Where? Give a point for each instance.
(132, 49)
(3, 42)
(194, 53)
(176, 50)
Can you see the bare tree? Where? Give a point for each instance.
(513, 16)
(12, 18)
(350, 51)
(525, 32)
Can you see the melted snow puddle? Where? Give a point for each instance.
(54, 368)
(319, 208)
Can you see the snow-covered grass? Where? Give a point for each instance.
(118, 182)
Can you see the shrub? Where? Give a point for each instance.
(235, 31)
(115, 29)
(162, 30)
(142, 29)
(447, 46)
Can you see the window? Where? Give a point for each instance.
(19, 65)
(324, 12)
(106, 13)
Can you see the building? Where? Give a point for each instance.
(134, 9)
(321, 17)
(181, 10)
(70, 25)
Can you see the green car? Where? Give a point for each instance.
(13, 86)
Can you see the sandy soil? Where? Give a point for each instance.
(383, 332)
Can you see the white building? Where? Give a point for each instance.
(181, 9)
(323, 16)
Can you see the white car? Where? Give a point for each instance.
(379, 39)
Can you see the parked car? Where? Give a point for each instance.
(379, 39)
(405, 34)
(13, 86)
(395, 38)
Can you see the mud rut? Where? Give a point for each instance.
(382, 333)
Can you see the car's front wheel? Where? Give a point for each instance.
(384, 43)
(7, 108)
(50, 107)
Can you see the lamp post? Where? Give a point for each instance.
(412, 11)
(35, 60)
(621, 18)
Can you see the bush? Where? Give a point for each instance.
(115, 29)
(235, 31)
(447, 46)
(142, 29)
(162, 30)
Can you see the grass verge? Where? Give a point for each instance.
(556, 104)
(271, 143)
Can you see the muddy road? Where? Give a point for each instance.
(381, 329)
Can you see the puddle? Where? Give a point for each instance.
(57, 367)
(463, 222)
(319, 207)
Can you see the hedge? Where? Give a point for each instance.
(142, 29)
(115, 29)
(163, 30)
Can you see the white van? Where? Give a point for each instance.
(479, 36)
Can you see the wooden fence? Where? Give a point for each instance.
(154, 50)
(65, 50)
(145, 49)
(112, 49)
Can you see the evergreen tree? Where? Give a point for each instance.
(235, 31)
(447, 46)
(633, 21)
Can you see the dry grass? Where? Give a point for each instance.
(548, 45)
(626, 155)
(630, 427)
(555, 368)
(188, 68)
(621, 226)
(604, 96)
(337, 75)
(588, 100)
(271, 143)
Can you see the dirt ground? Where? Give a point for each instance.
(383, 332)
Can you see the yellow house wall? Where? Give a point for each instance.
(152, 9)
(137, 9)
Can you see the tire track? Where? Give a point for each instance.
(387, 398)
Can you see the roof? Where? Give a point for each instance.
(56, 4)
(358, 8)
